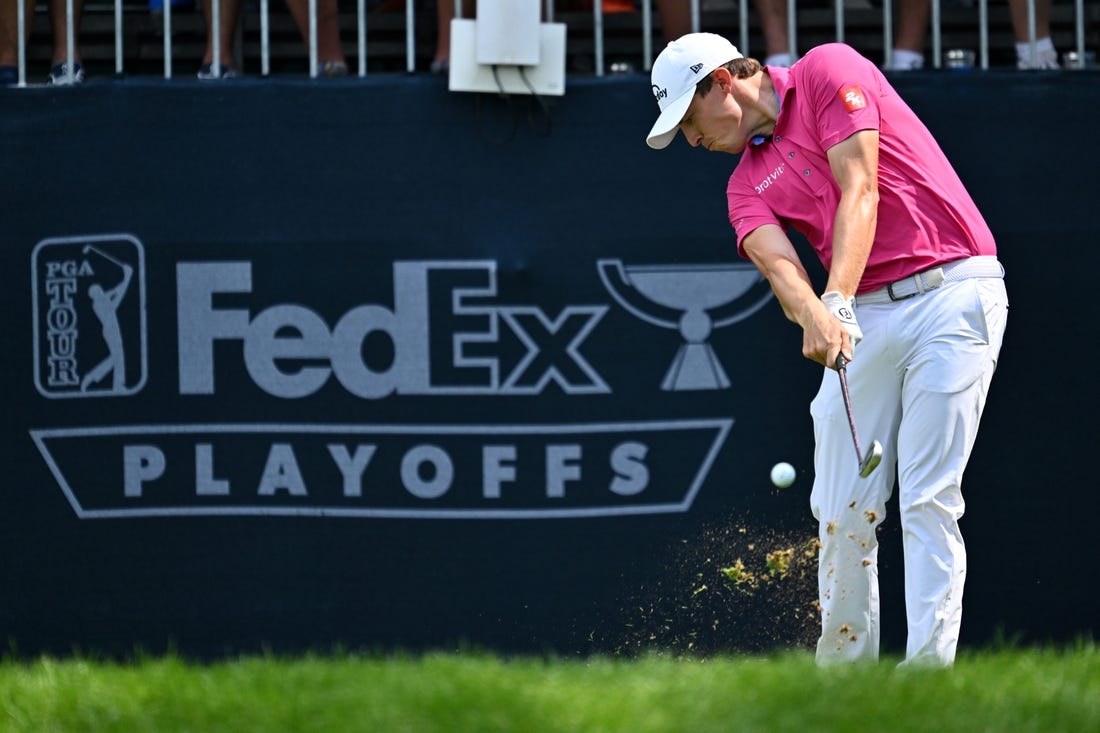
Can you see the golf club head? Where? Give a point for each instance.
(871, 460)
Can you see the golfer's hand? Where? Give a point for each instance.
(823, 336)
(843, 309)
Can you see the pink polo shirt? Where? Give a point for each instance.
(925, 215)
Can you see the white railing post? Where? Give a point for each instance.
(70, 42)
(1031, 32)
(597, 35)
(1079, 28)
(265, 37)
(216, 33)
(887, 30)
(361, 35)
(21, 45)
(313, 39)
(792, 30)
(410, 37)
(937, 35)
(743, 21)
(983, 33)
(118, 37)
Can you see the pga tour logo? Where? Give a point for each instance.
(89, 316)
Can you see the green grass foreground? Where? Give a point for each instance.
(1018, 690)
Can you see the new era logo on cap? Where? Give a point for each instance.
(678, 68)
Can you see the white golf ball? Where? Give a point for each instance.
(783, 474)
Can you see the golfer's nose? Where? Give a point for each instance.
(693, 136)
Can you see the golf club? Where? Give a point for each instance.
(91, 248)
(867, 463)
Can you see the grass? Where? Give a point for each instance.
(1046, 690)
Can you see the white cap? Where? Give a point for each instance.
(679, 67)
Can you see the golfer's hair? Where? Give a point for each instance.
(740, 68)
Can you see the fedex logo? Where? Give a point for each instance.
(444, 333)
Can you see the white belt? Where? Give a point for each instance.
(922, 282)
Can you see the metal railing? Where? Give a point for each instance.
(600, 63)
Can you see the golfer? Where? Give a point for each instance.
(105, 304)
(914, 299)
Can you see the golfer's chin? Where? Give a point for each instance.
(718, 146)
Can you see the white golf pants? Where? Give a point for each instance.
(918, 383)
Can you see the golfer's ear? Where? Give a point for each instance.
(723, 78)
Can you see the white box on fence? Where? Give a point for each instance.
(508, 32)
(545, 78)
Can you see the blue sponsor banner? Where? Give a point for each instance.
(276, 381)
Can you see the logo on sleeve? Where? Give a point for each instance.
(853, 98)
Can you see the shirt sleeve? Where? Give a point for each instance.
(747, 211)
(842, 90)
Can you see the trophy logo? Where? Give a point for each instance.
(693, 299)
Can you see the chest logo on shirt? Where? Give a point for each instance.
(772, 177)
(853, 98)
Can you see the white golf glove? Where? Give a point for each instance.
(843, 309)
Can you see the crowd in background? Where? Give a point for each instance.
(673, 17)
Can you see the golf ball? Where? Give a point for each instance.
(783, 475)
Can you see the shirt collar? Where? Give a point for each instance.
(784, 88)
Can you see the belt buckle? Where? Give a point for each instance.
(895, 298)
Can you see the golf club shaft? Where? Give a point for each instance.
(104, 255)
(841, 369)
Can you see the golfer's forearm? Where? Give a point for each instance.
(776, 258)
(792, 289)
(853, 235)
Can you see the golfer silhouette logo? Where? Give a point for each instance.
(89, 316)
(105, 305)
